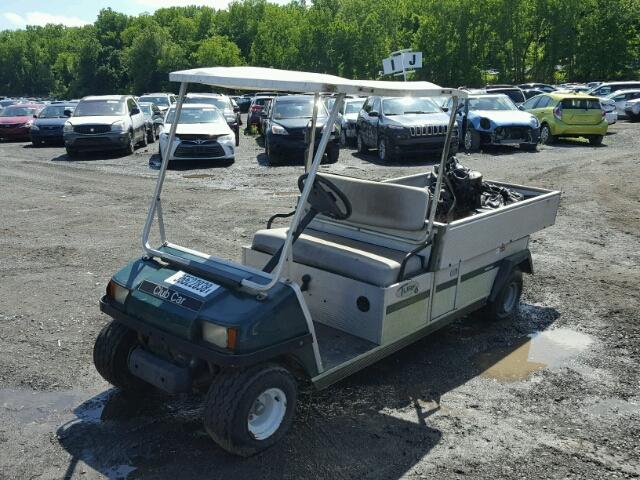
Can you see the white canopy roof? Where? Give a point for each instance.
(271, 79)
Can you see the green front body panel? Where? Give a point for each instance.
(260, 322)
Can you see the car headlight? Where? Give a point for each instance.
(223, 337)
(35, 128)
(395, 127)
(116, 292)
(118, 126)
(68, 127)
(534, 121)
(228, 138)
(485, 123)
(278, 129)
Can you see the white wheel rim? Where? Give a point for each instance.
(266, 413)
(510, 298)
(467, 140)
(544, 134)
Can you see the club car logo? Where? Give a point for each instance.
(409, 288)
(169, 295)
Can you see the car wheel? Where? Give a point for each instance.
(151, 136)
(247, 411)
(343, 138)
(362, 147)
(111, 357)
(145, 140)
(333, 153)
(546, 138)
(271, 156)
(507, 302)
(237, 132)
(131, 144)
(471, 140)
(384, 153)
(595, 140)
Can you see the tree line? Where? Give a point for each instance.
(464, 42)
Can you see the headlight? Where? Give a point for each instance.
(395, 127)
(534, 121)
(118, 126)
(68, 127)
(227, 139)
(116, 292)
(35, 128)
(223, 337)
(485, 123)
(279, 129)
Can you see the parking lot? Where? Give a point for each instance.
(552, 395)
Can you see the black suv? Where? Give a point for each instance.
(287, 127)
(396, 125)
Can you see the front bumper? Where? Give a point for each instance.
(42, 135)
(15, 132)
(510, 135)
(97, 142)
(415, 144)
(212, 150)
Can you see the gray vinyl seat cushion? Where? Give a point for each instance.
(347, 257)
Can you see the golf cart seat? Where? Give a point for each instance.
(376, 207)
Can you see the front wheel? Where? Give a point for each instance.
(151, 136)
(131, 145)
(471, 140)
(546, 137)
(595, 140)
(384, 153)
(237, 133)
(362, 147)
(111, 357)
(247, 411)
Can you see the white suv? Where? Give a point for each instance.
(108, 122)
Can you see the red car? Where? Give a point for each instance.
(16, 120)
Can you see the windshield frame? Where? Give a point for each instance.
(122, 110)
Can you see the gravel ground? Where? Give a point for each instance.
(474, 400)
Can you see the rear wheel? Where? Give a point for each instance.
(595, 140)
(247, 411)
(111, 357)
(546, 137)
(507, 302)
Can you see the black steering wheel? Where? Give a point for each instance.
(326, 198)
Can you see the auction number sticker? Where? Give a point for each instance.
(192, 284)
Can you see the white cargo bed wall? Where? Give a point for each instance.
(466, 238)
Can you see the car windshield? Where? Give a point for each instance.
(55, 111)
(297, 108)
(408, 105)
(491, 103)
(146, 109)
(18, 112)
(353, 107)
(220, 102)
(160, 101)
(99, 108)
(195, 115)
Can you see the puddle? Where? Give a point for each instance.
(198, 175)
(547, 349)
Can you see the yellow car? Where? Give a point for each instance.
(568, 115)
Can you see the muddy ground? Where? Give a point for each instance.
(474, 400)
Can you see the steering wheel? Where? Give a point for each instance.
(326, 198)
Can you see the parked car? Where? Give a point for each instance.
(162, 100)
(544, 87)
(230, 113)
(257, 105)
(398, 125)
(202, 133)
(264, 113)
(619, 99)
(287, 129)
(514, 93)
(7, 102)
(244, 102)
(16, 120)
(607, 88)
(609, 109)
(107, 122)
(531, 92)
(47, 128)
(154, 120)
(632, 110)
(568, 115)
(348, 118)
(493, 119)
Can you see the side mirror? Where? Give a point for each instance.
(236, 109)
(67, 113)
(445, 109)
(520, 107)
(35, 116)
(374, 114)
(135, 111)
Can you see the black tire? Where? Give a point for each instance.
(131, 145)
(595, 140)
(151, 136)
(71, 152)
(546, 137)
(362, 147)
(111, 356)
(471, 140)
(529, 147)
(144, 141)
(344, 141)
(237, 132)
(272, 157)
(230, 401)
(333, 153)
(384, 153)
(507, 302)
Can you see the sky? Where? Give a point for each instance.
(19, 13)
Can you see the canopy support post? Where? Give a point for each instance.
(312, 139)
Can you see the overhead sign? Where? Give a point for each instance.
(400, 62)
